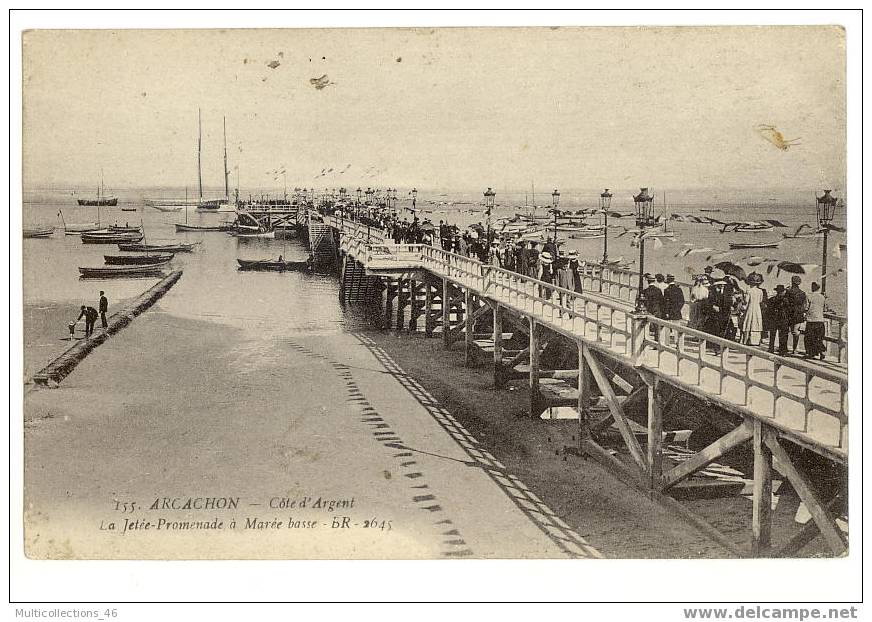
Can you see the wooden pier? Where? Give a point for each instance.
(625, 371)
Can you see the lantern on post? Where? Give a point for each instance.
(489, 196)
(826, 211)
(605, 204)
(555, 200)
(414, 198)
(645, 218)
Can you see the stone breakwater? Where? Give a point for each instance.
(63, 365)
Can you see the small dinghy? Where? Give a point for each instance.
(137, 260)
(104, 236)
(160, 248)
(273, 265)
(38, 232)
(223, 227)
(104, 272)
(739, 245)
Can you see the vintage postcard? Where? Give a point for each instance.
(435, 293)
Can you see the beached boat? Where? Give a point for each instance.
(129, 208)
(104, 236)
(221, 227)
(160, 248)
(738, 245)
(38, 232)
(593, 235)
(120, 271)
(168, 208)
(273, 265)
(260, 234)
(137, 260)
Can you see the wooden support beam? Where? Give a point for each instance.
(535, 396)
(631, 478)
(615, 407)
(429, 322)
(390, 294)
(761, 514)
(825, 521)
(804, 536)
(655, 433)
(401, 305)
(584, 395)
(469, 338)
(413, 315)
(498, 347)
(520, 356)
(446, 314)
(706, 456)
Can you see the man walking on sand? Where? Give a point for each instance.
(90, 315)
(104, 308)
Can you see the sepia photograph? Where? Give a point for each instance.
(539, 292)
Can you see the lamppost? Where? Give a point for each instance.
(489, 195)
(826, 209)
(605, 204)
(644, 203)
(555, 199)
(414, 198)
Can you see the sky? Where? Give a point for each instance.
(437, 108)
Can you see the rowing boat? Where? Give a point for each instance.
(109, 237)
(273, 265)
(119, 271)
(38, 232)
(223, 227)
(266, 234)
(738, 245)
(137, 260)
(161, 248)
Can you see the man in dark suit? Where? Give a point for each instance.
(673, 299)
(779, 313)
(104, 308)
(90, 315)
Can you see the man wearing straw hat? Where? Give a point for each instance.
(547, 275)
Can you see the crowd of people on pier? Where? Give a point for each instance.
(720, 304)
(742, 310)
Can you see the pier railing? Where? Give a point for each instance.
(806, 401)
(622, 284)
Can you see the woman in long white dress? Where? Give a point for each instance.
(752, 324)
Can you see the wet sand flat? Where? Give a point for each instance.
(184, 417)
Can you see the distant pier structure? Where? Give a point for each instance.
(628, 373)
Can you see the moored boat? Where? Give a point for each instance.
(137, 260)
(221, 227)
(261, 234)
(162, 248)
(121, 271)
(273, 265)
(104, 236)
(738, 245)
(101, 200)
(38, 232)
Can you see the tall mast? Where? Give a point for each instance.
(226, 172)
(102, 191)
(199, 150)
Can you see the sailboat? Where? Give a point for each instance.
(662, 233)
(186, 227)
(210, 204)
(101, 199)
(79, 227)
